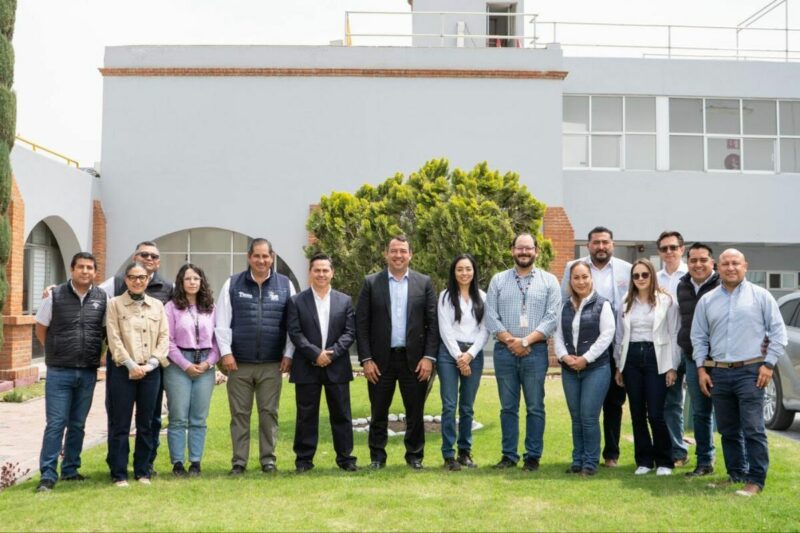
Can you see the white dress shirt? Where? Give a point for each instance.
(669, 282)
(607, 330)
(467, 330)
(323, 313)
(642, 317)
(603, 280)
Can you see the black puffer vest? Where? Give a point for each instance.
(589, 330)
(259, 317)
(687, 301)
(76, 332)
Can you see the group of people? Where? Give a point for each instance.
(618, 329)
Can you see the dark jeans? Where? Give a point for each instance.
(126, 393)
(739, 405)
(67, 400)
(646, 392)
(155, 425)
(702, 416)
(612, 416)
(306, 436)
(414, 393)
(457, 391)
(673, 415)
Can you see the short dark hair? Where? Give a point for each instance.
(145, 243)
(700, 246)
(669, 233)
(525, 234)
(134, 264)
(82, 255)
(599, 229)
(255, 242)
(319, 256)
(402, 238)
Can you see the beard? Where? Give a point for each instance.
(597, 260)
(524, 262)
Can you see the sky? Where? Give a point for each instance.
(59, 44)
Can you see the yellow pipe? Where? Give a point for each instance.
(36, 147)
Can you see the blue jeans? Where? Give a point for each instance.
(68, 398)
(702, 410)
(461, 390)
(585, 392)
(646, 391)
(188, 400)
(512, 374)
(739, 405)
(673, 415)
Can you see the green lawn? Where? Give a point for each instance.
(399, 499)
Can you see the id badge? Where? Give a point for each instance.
(523, 321)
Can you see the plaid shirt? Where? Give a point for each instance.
(504, 303)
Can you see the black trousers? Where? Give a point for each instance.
(612, 416)
(306, 436)
(414, 393)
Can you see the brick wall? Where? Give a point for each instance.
(14, 268)
(558, 228)
(99, 240)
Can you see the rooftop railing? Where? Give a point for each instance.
(39, 148)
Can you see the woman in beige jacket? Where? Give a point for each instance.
(138, 339)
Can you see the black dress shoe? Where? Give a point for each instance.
(414, 464)
(587, 472)
(531, 464)
(465, 459)
(269, 468)
(700, 470)
(506, 462)
(45, 485)
(350, 467)
(178, 470)
(237, 470)
(76, 477)
(451, 465)
(194, 469)
(377, 465)
(303, 467)
(574, 469)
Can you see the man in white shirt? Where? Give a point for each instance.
(670, 249)
(321, 324)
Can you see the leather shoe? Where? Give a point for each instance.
(506, 462)
(465, 459)
(610, 463)
(573, 469)
(451, 465)
(414, 464)
(683, 461)
(700, 470)
(531, 464)
(269, 468)
(236, 470)
(76, 477)
(377, 465)
(749, 489)
(45, 485)
(587, 472)
(350, 467)
(302, 468)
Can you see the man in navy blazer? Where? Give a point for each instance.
(398, 339)
(321, 324)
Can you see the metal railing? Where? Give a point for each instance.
(39, 148)
(741, 42)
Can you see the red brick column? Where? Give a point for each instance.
(99, 240)
(15, 354)
(558, 228)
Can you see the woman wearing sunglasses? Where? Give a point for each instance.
(189, 380)
(647, 357)
(138, 340)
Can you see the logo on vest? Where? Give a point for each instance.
(273, 297)
(96, 305)
(245, 295)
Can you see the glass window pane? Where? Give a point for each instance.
(640, 114)
(685, 153)
(217, 268)
(239, 263)
(759, 117)
(575, 114)
(575, 151)
(788, 281)
(170, 264)
(685, 115)
(211, 240)
(722, 116)
(640, 152)
(759, 154)
(790, 155)
(605, 151)
(240, 242)
(724, 154)
(790, 117)
(607, 113)
(788, 309)
(774, 280)
(174, 242)
(757, 277)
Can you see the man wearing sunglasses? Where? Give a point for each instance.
(670, 249)
(611, 277)
(146, 254)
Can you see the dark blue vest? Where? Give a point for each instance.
(259, 317)
(589, 330)
(76, 332)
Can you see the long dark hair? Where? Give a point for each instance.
(652, 290)
(452, 292)
(205, 297)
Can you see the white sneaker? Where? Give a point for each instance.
(122, 483)
(663, 471)
(144, 480)
(642, 470)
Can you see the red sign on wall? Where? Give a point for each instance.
(733, 144)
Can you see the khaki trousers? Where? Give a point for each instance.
(262, 380)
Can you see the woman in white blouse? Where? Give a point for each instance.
(583, 345)
(460, 360)
(647, 357)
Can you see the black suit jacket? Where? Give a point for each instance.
(374, 319)
(304, 330)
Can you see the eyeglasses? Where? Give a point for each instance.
(668, 248)
(133, 278)
(148, 255)
(524, 248)
(642, 275)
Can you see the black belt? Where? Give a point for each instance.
(398, 350)
(464, 346)
(197, 353)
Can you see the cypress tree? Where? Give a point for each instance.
(8, 128)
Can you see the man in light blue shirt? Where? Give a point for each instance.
(522, 306)
(728, 330)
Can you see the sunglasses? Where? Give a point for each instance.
(148, 255)
(669, 248)
(641, 275)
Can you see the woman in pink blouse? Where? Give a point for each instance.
(189, 380)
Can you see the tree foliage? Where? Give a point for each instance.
(8, 128)
(443, 212)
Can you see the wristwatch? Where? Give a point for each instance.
(524, 342)
(770, 366)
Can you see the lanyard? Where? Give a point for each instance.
(524, 290)
(196, 326)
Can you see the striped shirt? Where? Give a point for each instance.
(504, 303)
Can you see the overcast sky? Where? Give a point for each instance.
(59, 44)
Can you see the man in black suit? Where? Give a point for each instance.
(321, 324)
(397, 342)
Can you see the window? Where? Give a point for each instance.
(788, 310)
(757, 277)
(609, 132)
(42, 266)
(789, 117)
(782, 280)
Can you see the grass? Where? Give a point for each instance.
(23, 394)
(398, 499)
